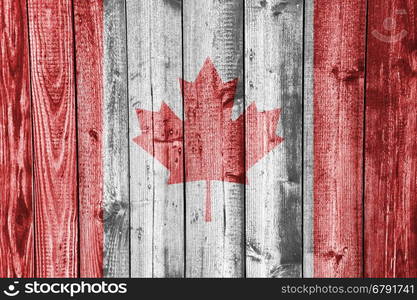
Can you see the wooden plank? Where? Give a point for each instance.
(115, 143)
(157, 208)
(89, 80)
(339, 47)
(214, 235)
(308, 166)
(391, 146)
(16, 234)
(273, 76)
(54, 132)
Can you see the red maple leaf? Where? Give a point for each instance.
(214, 143)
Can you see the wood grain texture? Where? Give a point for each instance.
(273, 79)
(308, 135)
(339, 47)
(391, 146)
(54, 132)
(214, 249)
(115, 143)
(16, 216)
(89, 80)
(157, 208)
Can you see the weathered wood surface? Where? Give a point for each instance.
(16, 221)
(339, 58)
(115, 143)
(89, 88)
(273, 79)
(157, 208)
(133, 174)
(391, 145)
(214, 29)
(308, 146)
(54, 137)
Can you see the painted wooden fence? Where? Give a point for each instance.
(219, 138)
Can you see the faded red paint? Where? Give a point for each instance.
(215, 147)
(339, 63)
(54, 138)
(89, 65)
(16, 221)
(391, 144)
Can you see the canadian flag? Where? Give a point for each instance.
(207, 138)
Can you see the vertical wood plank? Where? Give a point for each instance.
(214, 29)
(115, 143)
(155, 65)
(339, 47)
(273, 75)
(16, 234)
(89, 80)
(308, 167)
(54, 122)
(391, 145)
(139, 20)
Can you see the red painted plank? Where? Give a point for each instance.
(339, 55)
(54, 130)
(391, 147)
(16, 231)
(89, 65)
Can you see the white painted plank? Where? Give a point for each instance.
(155, 65)
(214, 249)
(273, 79)
(115, 142)
(308, 196)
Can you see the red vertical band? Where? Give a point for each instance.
(339, 52)
(89, 66)
(16, 222)
(54, 131)
(391, 143)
